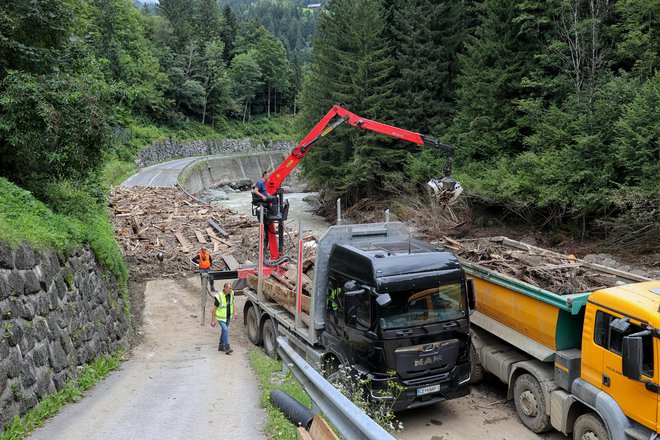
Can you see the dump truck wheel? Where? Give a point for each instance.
(253, 326)
(530, 403)
(269, 336)
(477, 372)
(589, 427)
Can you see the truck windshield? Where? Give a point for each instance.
(421, 307)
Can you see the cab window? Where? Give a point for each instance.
(612, 339)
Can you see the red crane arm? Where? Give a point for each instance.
(275, 179)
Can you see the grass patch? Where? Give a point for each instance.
(115, 171)
(73, 391)
(269, 373)
(76, 217)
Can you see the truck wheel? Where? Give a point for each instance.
(269, 336)
(253, 326)
(589, 427)
(477, 372)
(530, 403)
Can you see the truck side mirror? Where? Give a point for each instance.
(632, 357)
(472, 298)
(350, 304)
(384, 299)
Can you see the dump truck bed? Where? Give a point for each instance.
(550, 318)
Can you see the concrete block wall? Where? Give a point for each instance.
(244, 168)
(57, 312)
(167, 150)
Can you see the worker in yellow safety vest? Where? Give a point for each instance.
(223, 311)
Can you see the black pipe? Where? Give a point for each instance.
(295, 411)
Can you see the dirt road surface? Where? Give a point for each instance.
(176, 384)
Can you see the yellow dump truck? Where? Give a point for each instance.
(586, 362)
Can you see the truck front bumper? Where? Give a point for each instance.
(407, 394)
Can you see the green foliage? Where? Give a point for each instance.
(638, 138)
(33, 33)
(52, 126)
(73, 391)
(76, 218)
(269, 373)
(351, 65)
(357, 389)
(127, 56)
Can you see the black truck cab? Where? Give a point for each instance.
(399, 311)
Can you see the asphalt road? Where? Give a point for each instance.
(162, 174)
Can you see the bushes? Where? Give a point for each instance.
(53, 126)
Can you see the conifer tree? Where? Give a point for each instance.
(352, 66)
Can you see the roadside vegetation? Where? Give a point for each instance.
(270, 376)
(73, 391)
(72, 219)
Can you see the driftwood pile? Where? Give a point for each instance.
(153, 220)
(560, 274)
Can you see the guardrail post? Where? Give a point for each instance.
(338, 212)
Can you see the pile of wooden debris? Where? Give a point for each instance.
(163, 220)
(560, 274)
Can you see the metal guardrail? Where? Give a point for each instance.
(350, 420)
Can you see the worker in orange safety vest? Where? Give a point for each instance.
(205, 261)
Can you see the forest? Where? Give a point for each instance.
(552, 107)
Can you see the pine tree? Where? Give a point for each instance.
(352, 66)
(427, 39)
(229, 33)
(496, 60)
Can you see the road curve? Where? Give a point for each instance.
(162, 174)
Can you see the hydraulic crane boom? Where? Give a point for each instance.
(275, 179)
(444, 185)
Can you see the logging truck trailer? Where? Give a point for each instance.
(388, 307)
(585, 362)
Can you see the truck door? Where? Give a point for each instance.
(636, 401)
(357, 315)
(593, 336)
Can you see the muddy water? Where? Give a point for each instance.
(299, 209)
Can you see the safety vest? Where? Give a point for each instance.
(221, 311)
(332, 298)
(204, 260)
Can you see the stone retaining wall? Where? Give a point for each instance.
(168, 150)
(57, 312)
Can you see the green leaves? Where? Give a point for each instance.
(53, 126)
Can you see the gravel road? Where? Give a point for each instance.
(176, 384)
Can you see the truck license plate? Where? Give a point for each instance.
(428, 390)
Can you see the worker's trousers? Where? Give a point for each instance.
(224, 333)
(203, 271)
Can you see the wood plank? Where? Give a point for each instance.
(215, 237)
(302, 434)
(218, 228)
(185, 244)
(320, 430)
(231, 262)
(199, 236)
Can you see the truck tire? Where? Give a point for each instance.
(477, 372)
(253, 326)
(530, 403)
(589, 427)
(269, 336)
